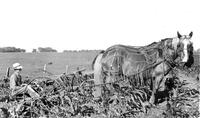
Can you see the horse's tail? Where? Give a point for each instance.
(93, 62)
(97, 68)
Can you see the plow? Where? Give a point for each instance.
(71, 95)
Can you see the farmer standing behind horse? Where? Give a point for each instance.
(16, 85)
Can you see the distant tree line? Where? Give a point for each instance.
(11, 49)
(46, 49)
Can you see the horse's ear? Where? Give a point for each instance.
(179, 35)
(191, 33)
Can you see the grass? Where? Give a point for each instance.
(33, 63)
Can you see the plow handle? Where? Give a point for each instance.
(8, 72)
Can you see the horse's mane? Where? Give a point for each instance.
(152, 44)
(156, 47)
(155, 44)
(114, 48)
(165, 39)
(149, 46)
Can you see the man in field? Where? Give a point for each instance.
(16, 85)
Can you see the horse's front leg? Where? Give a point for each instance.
(156, 85)
(158, 76)
(175, 87)
(152, 98)
(157, 81)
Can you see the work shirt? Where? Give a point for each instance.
(15, 80)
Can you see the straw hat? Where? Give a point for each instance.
(17, 66)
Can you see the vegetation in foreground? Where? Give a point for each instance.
(60, 100)
(71, 96)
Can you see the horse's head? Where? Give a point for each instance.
(184, 48)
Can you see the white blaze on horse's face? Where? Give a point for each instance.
(184, 41)
(185, 50)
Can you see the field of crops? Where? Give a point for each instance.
(66, 100)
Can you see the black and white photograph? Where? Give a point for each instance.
(99, 59)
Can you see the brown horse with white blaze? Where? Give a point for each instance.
(134, 61)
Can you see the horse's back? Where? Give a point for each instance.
(123, 58)
(123, 51)
(125, 48)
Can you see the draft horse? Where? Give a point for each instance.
(148, 64)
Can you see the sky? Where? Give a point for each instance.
(95, 24)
